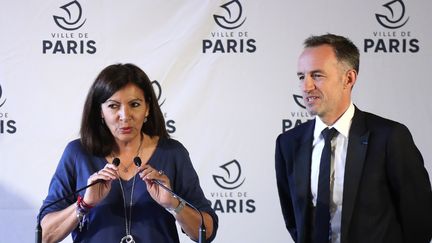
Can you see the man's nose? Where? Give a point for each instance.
(308, 84)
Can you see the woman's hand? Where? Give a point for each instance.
(159, 194)
(99, 191)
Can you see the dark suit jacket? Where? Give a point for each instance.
(387, 193)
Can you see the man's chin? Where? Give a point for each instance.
(311, 111)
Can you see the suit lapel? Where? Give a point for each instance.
(302, 162)
(302, 168)
(356, 154)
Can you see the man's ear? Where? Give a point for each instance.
(350, 78)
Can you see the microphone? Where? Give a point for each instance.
(202, 229)
(116, 162)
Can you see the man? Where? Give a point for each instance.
(374, 187)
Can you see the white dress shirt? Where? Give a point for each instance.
(339, 151)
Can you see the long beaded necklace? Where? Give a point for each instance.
(128, 238)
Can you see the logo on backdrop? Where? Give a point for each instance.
(297, 116)
(72, 17)
(393, 35)
(229, 36)
(231, 199)
(70, 39)
(2, 101)
(7, 124)
(169, 123)
(231, 179)
(158, 91)
(395, 16)
(234, 18)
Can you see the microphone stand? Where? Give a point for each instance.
(39, 227)
(202, 229)
(116, 162)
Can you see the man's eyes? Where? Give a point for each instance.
(316, 75)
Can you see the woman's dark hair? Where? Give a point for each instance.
(344, 49)
(95, 135)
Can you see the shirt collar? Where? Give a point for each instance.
(342, 125)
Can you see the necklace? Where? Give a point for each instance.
(128, 238)
(128, 220)
(126, 168)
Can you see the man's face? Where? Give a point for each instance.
(323, 81)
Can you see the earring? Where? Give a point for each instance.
(145, 119)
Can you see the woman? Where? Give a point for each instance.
(122, 122)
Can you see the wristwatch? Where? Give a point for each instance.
(178, 209)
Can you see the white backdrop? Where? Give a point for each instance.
(227, 86)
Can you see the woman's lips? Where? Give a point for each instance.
(126, 129)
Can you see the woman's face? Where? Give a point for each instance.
(124, 113)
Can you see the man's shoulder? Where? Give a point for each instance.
(379, 122)
(298, 131)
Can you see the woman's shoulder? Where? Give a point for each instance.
(74, 144)
(75, 147)
(171, 144)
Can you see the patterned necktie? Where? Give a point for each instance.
(322, 210)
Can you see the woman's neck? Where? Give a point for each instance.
(132, 147)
